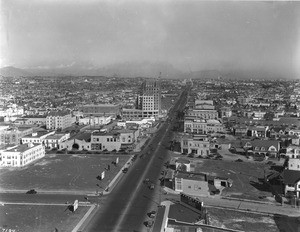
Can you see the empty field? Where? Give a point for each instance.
(63, 172)
(244, 175)
(41, 218)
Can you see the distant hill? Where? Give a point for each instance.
(142, 69)
(14, 72)
(139, 69)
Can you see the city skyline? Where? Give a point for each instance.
(189, 36)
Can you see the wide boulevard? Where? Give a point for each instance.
(126, 207)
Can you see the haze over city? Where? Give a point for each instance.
(173, 35)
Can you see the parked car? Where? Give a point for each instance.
(152, 214)
(125, 170)
(31, 191)
(146, 181)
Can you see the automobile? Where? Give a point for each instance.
(152, 214)
(151, 186)
(125, 170)
(31, 191)
(146, 181)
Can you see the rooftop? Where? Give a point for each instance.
(291, 176)
(22, 147)
(192, 176)
(59, 113)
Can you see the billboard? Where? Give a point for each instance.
(75, 205)
(102, 175)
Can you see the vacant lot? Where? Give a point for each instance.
(242, 221)
(41, 218)
(244, 175)
(63, 172)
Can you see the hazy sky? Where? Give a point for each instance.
(190, 35)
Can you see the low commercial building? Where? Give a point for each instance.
(95, 120)
(35, 120)
(13, 135)
(55, 140)
(202, 126)
(195, 144)
(102, 140)
(22, 155)
(36, 137)
(203, 113)
(114, 140)
(99, 110)
(194, 184)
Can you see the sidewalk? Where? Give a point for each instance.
(251, 206)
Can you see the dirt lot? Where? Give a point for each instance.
(41, 218)
(249, 222)
(62, 172)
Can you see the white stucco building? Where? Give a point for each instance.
(22, 155)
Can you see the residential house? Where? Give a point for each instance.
(225, 112)
(257, 131)
(293, 152)
(268, 148)
(240, 130)
(276, 132)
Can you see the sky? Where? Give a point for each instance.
(190, 35)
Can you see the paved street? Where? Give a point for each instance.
(127, 206)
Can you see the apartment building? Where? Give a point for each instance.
(22, 155)
(56, 120)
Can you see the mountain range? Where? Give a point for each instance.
(141, 69)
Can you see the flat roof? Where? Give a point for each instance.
(22, 148)
(192, 176)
